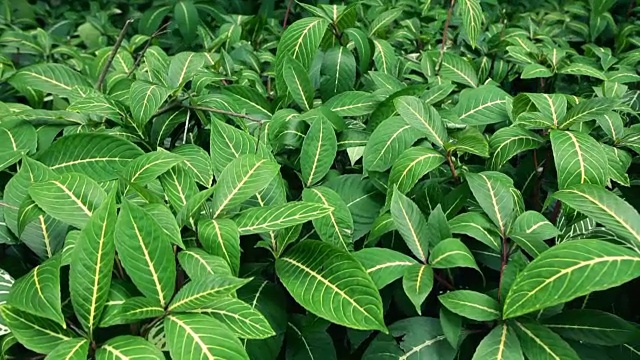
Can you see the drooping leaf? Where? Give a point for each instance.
(220, 237)
(592, 326)
(72, 349)
(450, 253)
(484, 105)
(337, 226)
(417, 283)
(49, 78)
(318, 151)
(183, 67)
(275, 217)
(240, 317)
(471, 304)
(33, 332)
(422, 337)
(384, 265)
(411, 224)
(539, 342)
(579, 159)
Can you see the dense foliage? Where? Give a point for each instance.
(379, 179)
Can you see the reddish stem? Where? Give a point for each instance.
(444, 34)
(452, 167)
(443, 281)
(503, 264)
(286, 14)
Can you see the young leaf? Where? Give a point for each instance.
(586, 110)
(579, 159)
(471, 304)
(128, 347)
(426, 120)
(298, 83)
(471, 14)
(411, 166)
(491, 190)
(318, 151)
(501, 344)
(228, 143)
(221, 238)
(411, 224)
(383, 265)
(510, 141)
(275, 217)
(417, 283)
(338, 282)
(145, 253)
(582, 264)
(539, 342)
(182, 68)
(197, 336)
(452, 253)
(146, 168)
(337, 226)
(240, 317)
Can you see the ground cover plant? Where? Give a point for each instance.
(402, 179)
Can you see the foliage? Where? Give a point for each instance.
(406, 179)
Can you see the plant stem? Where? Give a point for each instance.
(556, 212)
(157, 33)
(112, 56)
(452, 167)
(503, 264)
(444, 35)
(443, 281)
(286, 14)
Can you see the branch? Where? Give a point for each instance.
(503, 264)
(112, 56)
(286, 15)
(452, 167)
(444, 35)
(443, 281)
(224, 112)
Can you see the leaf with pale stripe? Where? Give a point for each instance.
(417, 283)
(275, 217)
(612, 124)
(35, 333)
(471, 13)
(411, 225)
(50, 78)
(579, 159)
(92, 264)
(492, 192)
(98, 155)
(145, 253)
(387, 142)
(484, 105)
(500, 344)
(471, 304)
(298, 83)
(182, 68)
(587, 110)
(422, 117)
(198, 336)
(145, 99)
(220, 237)
(72, 349)
(318, 151)
(538, 342)
(179, 186)
(240, 317)
(193, 209)
(593, 327)
(136, 308)
(331, 284)
(353, 103)
(127, 347)
(411, 166)
(553, 106)
(457, 69)
(567, 271)
(38, 292)
(71, 198)
(477, 226)
(241, 179)
(199, 264)
(510, 141)
(384, 56)
(228, 143)
(384, 266)
(197, 161)
(337, 226)
(339, 70)
(146, 168)
(450, 253)
(420, 337)
(198, 293)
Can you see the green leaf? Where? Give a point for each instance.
(50, 78)
(339, 69)
(166, 220)
(145, 253)
(363, 47)
(240, 317)
(426, 120)
(337, 226)
(241, 179)
(618, 162)
(534, 225)
(579, 159)
(510, 141)
(492, 191)
(417, 283)
(471, 13)
(183, 66)
(199, 264)
(411, 166)
(593, 327)
(187, 19)
(587, 110)
(384, 266)
(457, 69)
(338, 282)
(146, 168)
(318, 151)
(582, 69)
(611, 123)
(72, 349)
(298, 83)
(581, 263)
(228, 143)
(538, 342)
(98, 155)
(146, 99)
(17, 137)
(198, 161)
(38, 292)
(128, 347)
(197, 336)
(471, 304)
(352, 103)
(533, 71)
(92, 264)
(192, 210)
(606, 208)
(198, 293)
(411, 224)
(421, 338)
(71, 198)
(469, 140)
(484, 105)
(384, 57)
(387, 142)
(383, 20)
(477, 226)
(220, 237)
(450, 253)
(275, 217)
(501, 344)
(35, 333)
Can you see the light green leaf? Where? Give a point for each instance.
(198, 161)
(552, 106)
(587, 110)
(98, 155)
(198, 293)
(339, 69)
(411, 166)
(339, 283)
(128, 347)
(192, 210)
(471, 13)
(450, 253)
(427, 119)
(383, 20)
(240, 317)
(471, 304)
(146, 99)
(38, 292)
(501, 344)
(387, 142)
(146, 168)
(183, 66)
(477, 226)
(383, 265)
(581, 263)
(145, 252)
(533, 71)
(411, 224)
(166, 220)
(318, 151)
(352, 103)
(92, 264)
(510, 141)
(582, 69)
(492, 191)
(72, 349)
(579, 159)
(220, 237)
(611, 123)
(50, 78)
(538, 342)
(275, 217)
(484, 105)
(241, 179)
(199, 264)
(16, 137)
(534, 225)
(337, 226)
(198, 336)
(417, 283)
(470, 140)
(71, 198)
(457, 69)
(298, 83)
(228, 143)
(35, 333)
(384, 57)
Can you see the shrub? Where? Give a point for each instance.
(372, 180)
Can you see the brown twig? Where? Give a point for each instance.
(286, 14)
(112, 56)
(444, 35)
(503, 263)
(157, 33)
(224, 112)
(556, 212)
(452, 167)
(443, 281)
